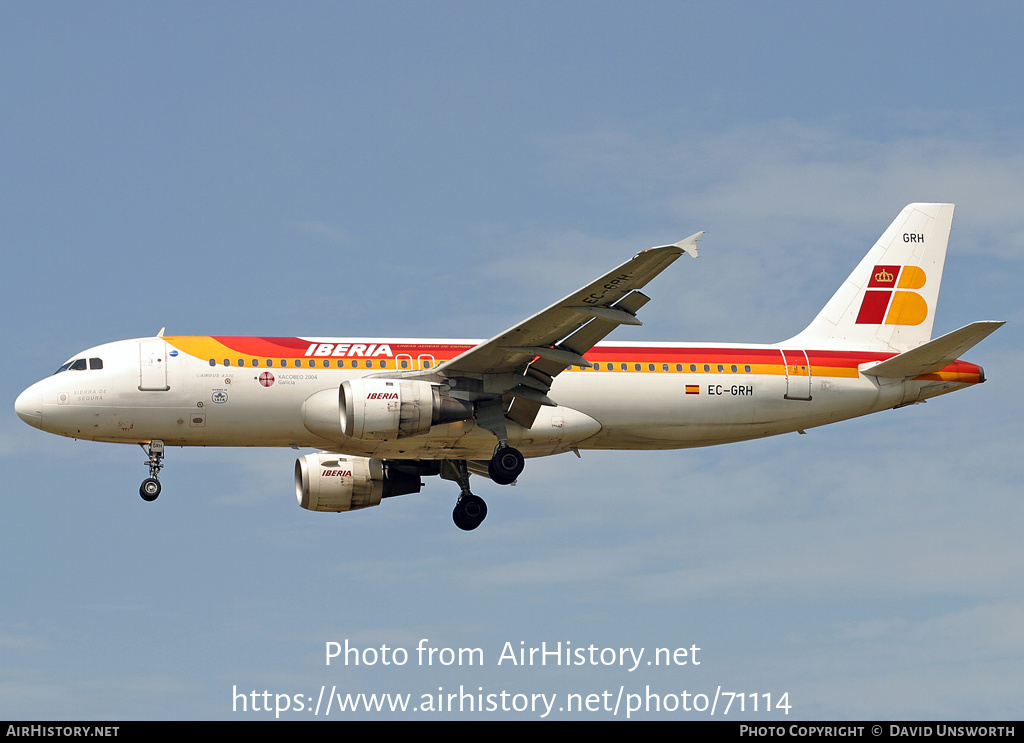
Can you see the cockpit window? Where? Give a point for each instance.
(81, 365)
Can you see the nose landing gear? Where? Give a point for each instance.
(150, 488)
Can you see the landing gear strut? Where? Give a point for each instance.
(507, 462)
(150, 488)
(470, 510)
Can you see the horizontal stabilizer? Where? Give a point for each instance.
(934, 355)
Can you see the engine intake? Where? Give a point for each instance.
(331, 482)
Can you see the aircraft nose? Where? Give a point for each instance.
(29, 406)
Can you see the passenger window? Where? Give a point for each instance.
(747, 368)
(733, 367)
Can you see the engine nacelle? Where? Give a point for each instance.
(332, 482)
(392, 408)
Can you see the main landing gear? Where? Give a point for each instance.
(506, 464)
(470, 510)
(150, 488)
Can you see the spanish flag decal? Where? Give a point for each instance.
(693, 389)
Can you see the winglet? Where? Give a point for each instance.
(689, 244)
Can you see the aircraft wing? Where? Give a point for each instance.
(518, 366)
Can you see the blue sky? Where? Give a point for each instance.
(445, 170)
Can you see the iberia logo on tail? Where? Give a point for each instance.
(888, 298)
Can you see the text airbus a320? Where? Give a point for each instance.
(383, 412)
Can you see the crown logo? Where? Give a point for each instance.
(883, 277)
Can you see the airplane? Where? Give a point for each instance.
(384, 412)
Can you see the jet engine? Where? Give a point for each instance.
(380, 409)
(393, 408)
(332, 482)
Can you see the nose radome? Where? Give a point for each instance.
(29, 407)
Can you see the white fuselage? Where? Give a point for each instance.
(640, 396)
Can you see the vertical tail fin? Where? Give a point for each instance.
(888, 302)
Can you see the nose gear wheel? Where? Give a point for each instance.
(150, 488)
